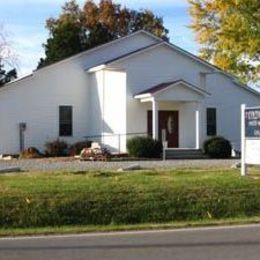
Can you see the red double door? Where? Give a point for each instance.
(168, 127)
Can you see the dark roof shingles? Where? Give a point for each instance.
(165, 85)
(157, 88)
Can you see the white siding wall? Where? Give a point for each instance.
(153, 67)
(227, 98)
(114, 119)
(103, 101)
(108, 116)
(96, 93)
(36, 100)
(179, 93)
(118, 49)
(163, 64)
(104, 53)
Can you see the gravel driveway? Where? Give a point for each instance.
(65, 164)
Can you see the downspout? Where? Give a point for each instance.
(22, 128)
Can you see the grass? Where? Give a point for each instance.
(62, 230)
(46, 203)
(102, 181)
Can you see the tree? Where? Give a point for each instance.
(67, 35)
(6, 58)
(6, 77)
(77, 29)
(229, 32)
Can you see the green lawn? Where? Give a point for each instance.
(111, 200)
(103, 181)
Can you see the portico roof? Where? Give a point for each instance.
(174, 90)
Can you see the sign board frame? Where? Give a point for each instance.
(250, 137)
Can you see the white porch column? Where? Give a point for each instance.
(197, 129)
(155, 119)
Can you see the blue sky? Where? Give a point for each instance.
(24, 21)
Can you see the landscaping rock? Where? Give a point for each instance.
(134, 167)
(10, 169)
(95, 153)
(5, 158)
(236, 166)
(30, 153)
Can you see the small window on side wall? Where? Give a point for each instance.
(65, 120)
(211, 121)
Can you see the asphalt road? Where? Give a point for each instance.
(225, 243)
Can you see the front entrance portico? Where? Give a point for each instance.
(164, 125)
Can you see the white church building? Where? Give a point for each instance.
(135, 85)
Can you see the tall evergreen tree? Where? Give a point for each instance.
(6, 76)
(79, 29)
(229, 32)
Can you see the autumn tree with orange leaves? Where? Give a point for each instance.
(229, 33)
(78, 29)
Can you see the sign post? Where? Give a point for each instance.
(243, 141)
(250, 137)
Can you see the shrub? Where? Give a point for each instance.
(218, 147)
(56, 148)
(76, 148)
(144, 147)
(30, 153)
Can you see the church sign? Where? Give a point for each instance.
(252, 124)
(250, 137)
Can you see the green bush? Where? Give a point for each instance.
(218, 147)
(56, 148)
(30, 153)
(144, 147)
(76, 148)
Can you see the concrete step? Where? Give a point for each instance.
(184, 154)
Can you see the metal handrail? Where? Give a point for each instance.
(118, 136)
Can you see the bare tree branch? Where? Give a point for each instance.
(7, 54)
(8, 59)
